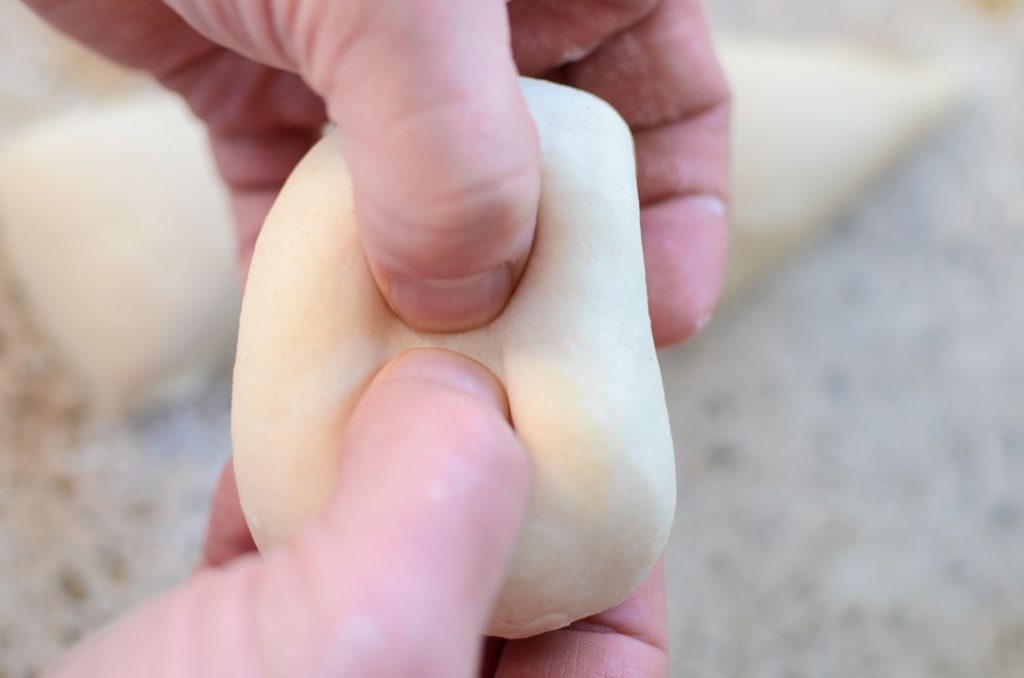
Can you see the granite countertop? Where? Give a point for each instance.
(850, 439)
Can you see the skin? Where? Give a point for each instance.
(372, 589)
(445, 167)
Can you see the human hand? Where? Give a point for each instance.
(444, 156)
(398, 577)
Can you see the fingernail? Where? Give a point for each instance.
(450, 305)
(449, 369)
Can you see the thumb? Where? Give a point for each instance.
(399, 576)
(445, 158)
(443, 152)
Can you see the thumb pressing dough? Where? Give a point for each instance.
(573, 350)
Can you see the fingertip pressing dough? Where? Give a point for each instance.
(119, 234)
(573, 350)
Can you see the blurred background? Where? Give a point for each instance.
(849, 427)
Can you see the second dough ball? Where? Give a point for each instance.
(120, 236)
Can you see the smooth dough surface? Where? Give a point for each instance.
(573, 350)
(814, 124)
(119, 233)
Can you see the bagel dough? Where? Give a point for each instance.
(573, 350)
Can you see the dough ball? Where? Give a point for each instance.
(573, 350)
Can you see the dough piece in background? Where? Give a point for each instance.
(573, 349)
(44, 71)
(119, 234)
(814, 124)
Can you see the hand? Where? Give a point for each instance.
(392, 580)
(443, 153)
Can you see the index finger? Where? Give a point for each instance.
(396, 579)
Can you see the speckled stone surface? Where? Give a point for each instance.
(851, 445)
(93, 516)
(851, 437)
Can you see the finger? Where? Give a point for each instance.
(443, 152)
(654, 62)
(630, 639)
(549, 34)
(398, 577)
(143, 34)
(444, 155)
(227, 534)
(685, 244)
(659, 71)
(663, 77)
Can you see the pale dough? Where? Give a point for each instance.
(573, 350)
(119, 234)
(814, 124)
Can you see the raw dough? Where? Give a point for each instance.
(573, 349)
(119, 233)
(813, 125)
